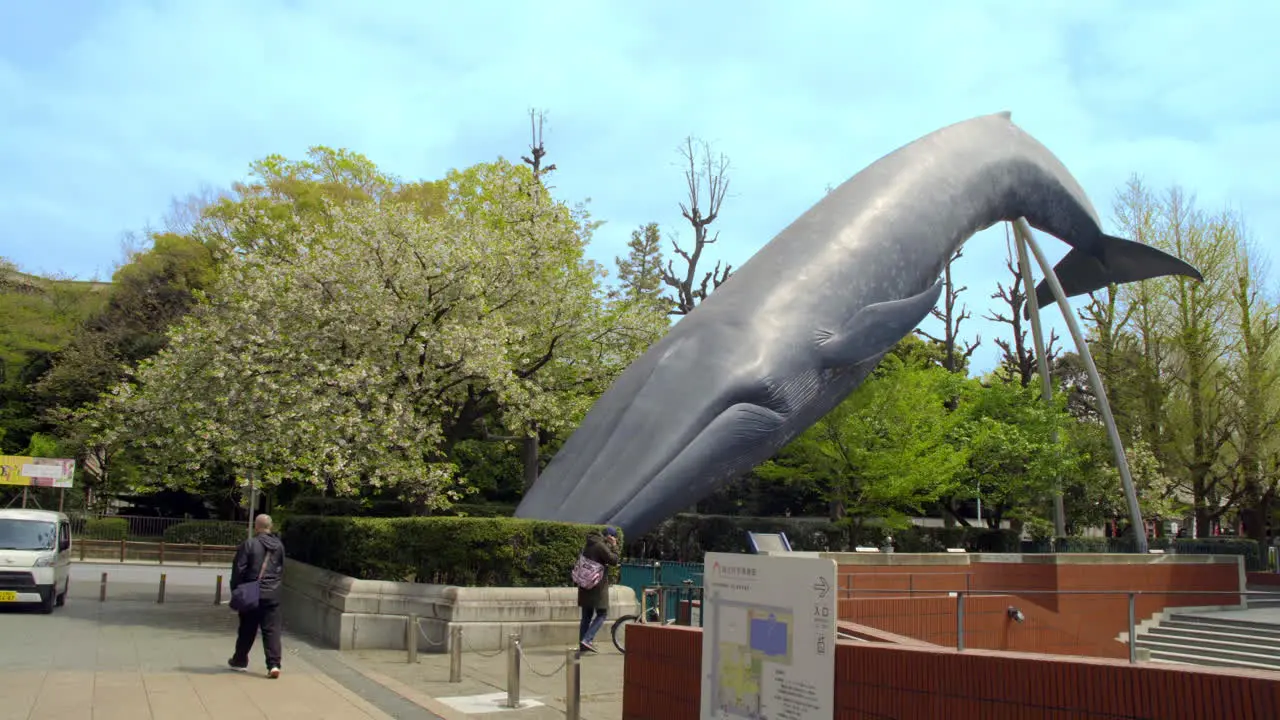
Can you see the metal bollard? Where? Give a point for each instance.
(160, 596)
(455, 654)
(960, 621)
(217, 591)
(572, 684)
(513, 672)
(411, 638)
(1133, 641)
(102, 591)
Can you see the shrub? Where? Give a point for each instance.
(481, 510)
(107, 528)
(321, 505)
(689, 537)
(208, 532)
(1253, 557)
(499, 552)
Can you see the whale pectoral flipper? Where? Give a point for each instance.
(875, 328)
(1119, 261)
(738, 439)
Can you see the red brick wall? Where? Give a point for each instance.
(1071, 622)
(873, 680)
(1265, 579)
(987, 624)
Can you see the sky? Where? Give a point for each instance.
(110, 109)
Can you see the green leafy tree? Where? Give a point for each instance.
(893, 447)
(640, 272)
(367, 336)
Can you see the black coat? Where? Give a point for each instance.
(600, 551)
(249, 559)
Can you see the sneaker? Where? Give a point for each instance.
(585, 646)
(273, 673)
(237, 666)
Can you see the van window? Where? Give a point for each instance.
(64, 535)
(27, 534)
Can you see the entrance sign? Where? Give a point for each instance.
(36, 472)
(768, 637)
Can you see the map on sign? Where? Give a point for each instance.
(768, 645)
(746, 637)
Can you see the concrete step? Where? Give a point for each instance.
(1188, 658)
(1257, 601)
(1194, 648)
(1249, 627)
(1210, 641)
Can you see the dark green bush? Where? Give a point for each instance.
(108, 528)
(689, 537)
(321, 505)
(480, 510)
(1254, 560)
(498, 552)
(208, 532)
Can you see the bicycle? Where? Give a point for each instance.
(647, 613)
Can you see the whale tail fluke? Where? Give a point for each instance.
(1117, 261)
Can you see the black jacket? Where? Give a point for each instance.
(249, 559)
(600, 551)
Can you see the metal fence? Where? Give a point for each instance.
(137, 528)
(1127, 599)
(640, 574)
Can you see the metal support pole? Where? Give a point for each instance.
(513, 672)
(217, 591)
(102, 590)
(1133, 640)
(1042, 367)
(1104, 407)
(572, 685)
(24, 497)
(455, 654)
(160, 596)
(411, 638)
(960, 621)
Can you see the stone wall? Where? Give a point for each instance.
(351, 614)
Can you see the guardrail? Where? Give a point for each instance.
(158, 552)
(1132, 596)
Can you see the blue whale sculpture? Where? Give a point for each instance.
(800, 325)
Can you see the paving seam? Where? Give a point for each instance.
(380, 696)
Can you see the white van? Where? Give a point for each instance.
(35, 557)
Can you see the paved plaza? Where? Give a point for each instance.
(132, 658)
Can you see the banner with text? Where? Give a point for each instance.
(36, 472)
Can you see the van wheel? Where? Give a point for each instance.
(62, 597)
(46, 602)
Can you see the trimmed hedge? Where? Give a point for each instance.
(1249, 549)
(107, 528)
(689, 537)
(208, 532)
(476, 552)
(355, 507)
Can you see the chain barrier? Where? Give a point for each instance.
(467, 645)
(535, 670)
(430, 643)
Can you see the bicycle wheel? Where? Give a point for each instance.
(619, 624)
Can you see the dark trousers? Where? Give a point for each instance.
(592, 619)
(266, 617)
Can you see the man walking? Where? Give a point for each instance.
(259, 559)
(593, 597)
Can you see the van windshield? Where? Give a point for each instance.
(27, 534)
